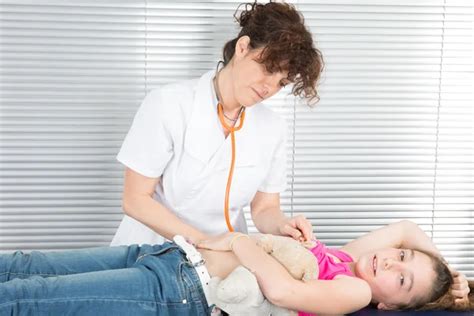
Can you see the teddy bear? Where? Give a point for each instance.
(239, 294)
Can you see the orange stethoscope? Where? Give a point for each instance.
(231, 129)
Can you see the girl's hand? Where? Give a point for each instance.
(460, 288)
(219, 242)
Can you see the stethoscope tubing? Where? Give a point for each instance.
(232, 130)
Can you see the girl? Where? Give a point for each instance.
(394, 267)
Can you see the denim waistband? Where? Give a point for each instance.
(168, 259)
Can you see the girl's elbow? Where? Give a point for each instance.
(276, 298)
(407, 224)
(278, 294)
(365, 297)
(360, 297)
(367, 294)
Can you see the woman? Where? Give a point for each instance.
(395, 267)
(178, 150)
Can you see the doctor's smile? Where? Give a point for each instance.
(258, 94)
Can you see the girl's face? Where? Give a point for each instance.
(396, 276)
(251, 82)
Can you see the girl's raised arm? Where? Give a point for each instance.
(403, 234)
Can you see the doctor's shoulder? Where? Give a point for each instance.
(178, 95)
(170, 101)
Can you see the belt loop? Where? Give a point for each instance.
(198, 263)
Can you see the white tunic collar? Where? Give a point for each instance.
(204, 133)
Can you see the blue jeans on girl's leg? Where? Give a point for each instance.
(133, 280)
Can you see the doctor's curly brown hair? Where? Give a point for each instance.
(287, 44)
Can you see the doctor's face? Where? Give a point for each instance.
(252, 83)
(396, 276)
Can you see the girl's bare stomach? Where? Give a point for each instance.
(219, 263)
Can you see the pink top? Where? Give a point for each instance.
(328, 268)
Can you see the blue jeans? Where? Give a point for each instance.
(126, 280)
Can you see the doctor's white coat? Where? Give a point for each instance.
(176, 135)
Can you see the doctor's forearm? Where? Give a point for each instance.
(156, 216)
(269, 220)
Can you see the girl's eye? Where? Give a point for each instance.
(402, 280)
(402, 255)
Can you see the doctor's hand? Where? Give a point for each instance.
(297, 227)
(221, 242)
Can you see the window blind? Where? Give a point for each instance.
(391, 138)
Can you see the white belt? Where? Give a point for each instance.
(198, 262)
